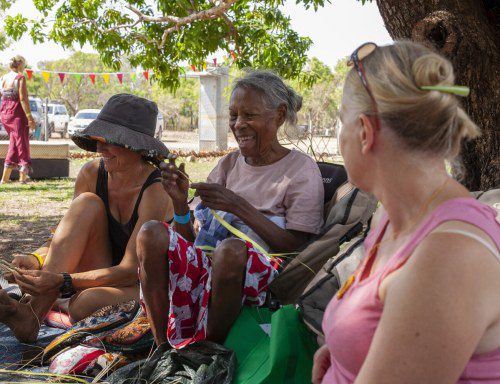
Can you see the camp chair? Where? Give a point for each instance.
(347, 210)
(333, 175)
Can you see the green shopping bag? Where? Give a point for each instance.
(284, 357)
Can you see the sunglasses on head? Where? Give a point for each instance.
(355, 61)
(366, 49)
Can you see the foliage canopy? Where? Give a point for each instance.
(165, 35)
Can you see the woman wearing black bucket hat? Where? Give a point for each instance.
(92, 256)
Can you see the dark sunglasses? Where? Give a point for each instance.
(355, 60)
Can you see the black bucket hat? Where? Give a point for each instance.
(128, 121)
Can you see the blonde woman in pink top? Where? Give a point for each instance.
(424, 305)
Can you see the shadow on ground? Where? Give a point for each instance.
(21, 234)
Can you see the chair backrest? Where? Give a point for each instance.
(345, 215)
(333, 175)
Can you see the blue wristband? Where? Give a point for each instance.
(182, 219)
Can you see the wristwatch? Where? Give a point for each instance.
(67, 290)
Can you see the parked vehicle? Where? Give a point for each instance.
(81, 120)
(37, 113)
(58, 118)
(159, 126)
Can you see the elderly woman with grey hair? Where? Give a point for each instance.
(271, 194)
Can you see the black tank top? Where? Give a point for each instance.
(119, 233)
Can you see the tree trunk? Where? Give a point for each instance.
(469, 35)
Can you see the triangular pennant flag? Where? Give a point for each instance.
(204, 66)
(92, 78)
(193, 67)
(146, 75)
(46, 76)
(224, 58)
(105, 77)
(61, 76)
(233, 55)
(78, 78)
(215, 61)
(29, 72)
(133, 76)
(120, 77)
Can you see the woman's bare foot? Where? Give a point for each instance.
(20, 318)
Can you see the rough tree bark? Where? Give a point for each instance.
(469, 35)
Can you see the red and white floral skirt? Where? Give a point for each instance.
(190, 287)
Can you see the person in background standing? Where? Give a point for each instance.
(17, 119)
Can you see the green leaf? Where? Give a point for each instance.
(261, 33)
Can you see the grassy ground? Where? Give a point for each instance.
(28, 211)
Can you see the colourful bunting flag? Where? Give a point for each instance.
(224, 58)
(107, 76)
(233, 55)
(78, 78)
(46, 76)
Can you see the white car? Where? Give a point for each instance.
(58, 118)
(81, 120)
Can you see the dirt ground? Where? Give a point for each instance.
(28, 212)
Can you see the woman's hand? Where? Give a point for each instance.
(28, 262)
(321, 364)
(38, 282)
(31, 123)
(175, 181)
(218, 197)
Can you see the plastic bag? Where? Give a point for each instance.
(201, 363)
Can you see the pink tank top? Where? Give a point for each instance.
(350, 323)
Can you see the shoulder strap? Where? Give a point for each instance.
(154, 177)
(16, 82)
(467, 210)
(473, 236)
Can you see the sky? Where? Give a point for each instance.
(336, 30)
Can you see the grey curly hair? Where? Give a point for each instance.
(274, 91)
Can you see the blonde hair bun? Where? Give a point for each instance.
(427, 121)
(432, 69)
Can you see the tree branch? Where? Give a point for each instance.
(232, 29)
(207, 14)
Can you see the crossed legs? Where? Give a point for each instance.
(80, 243)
